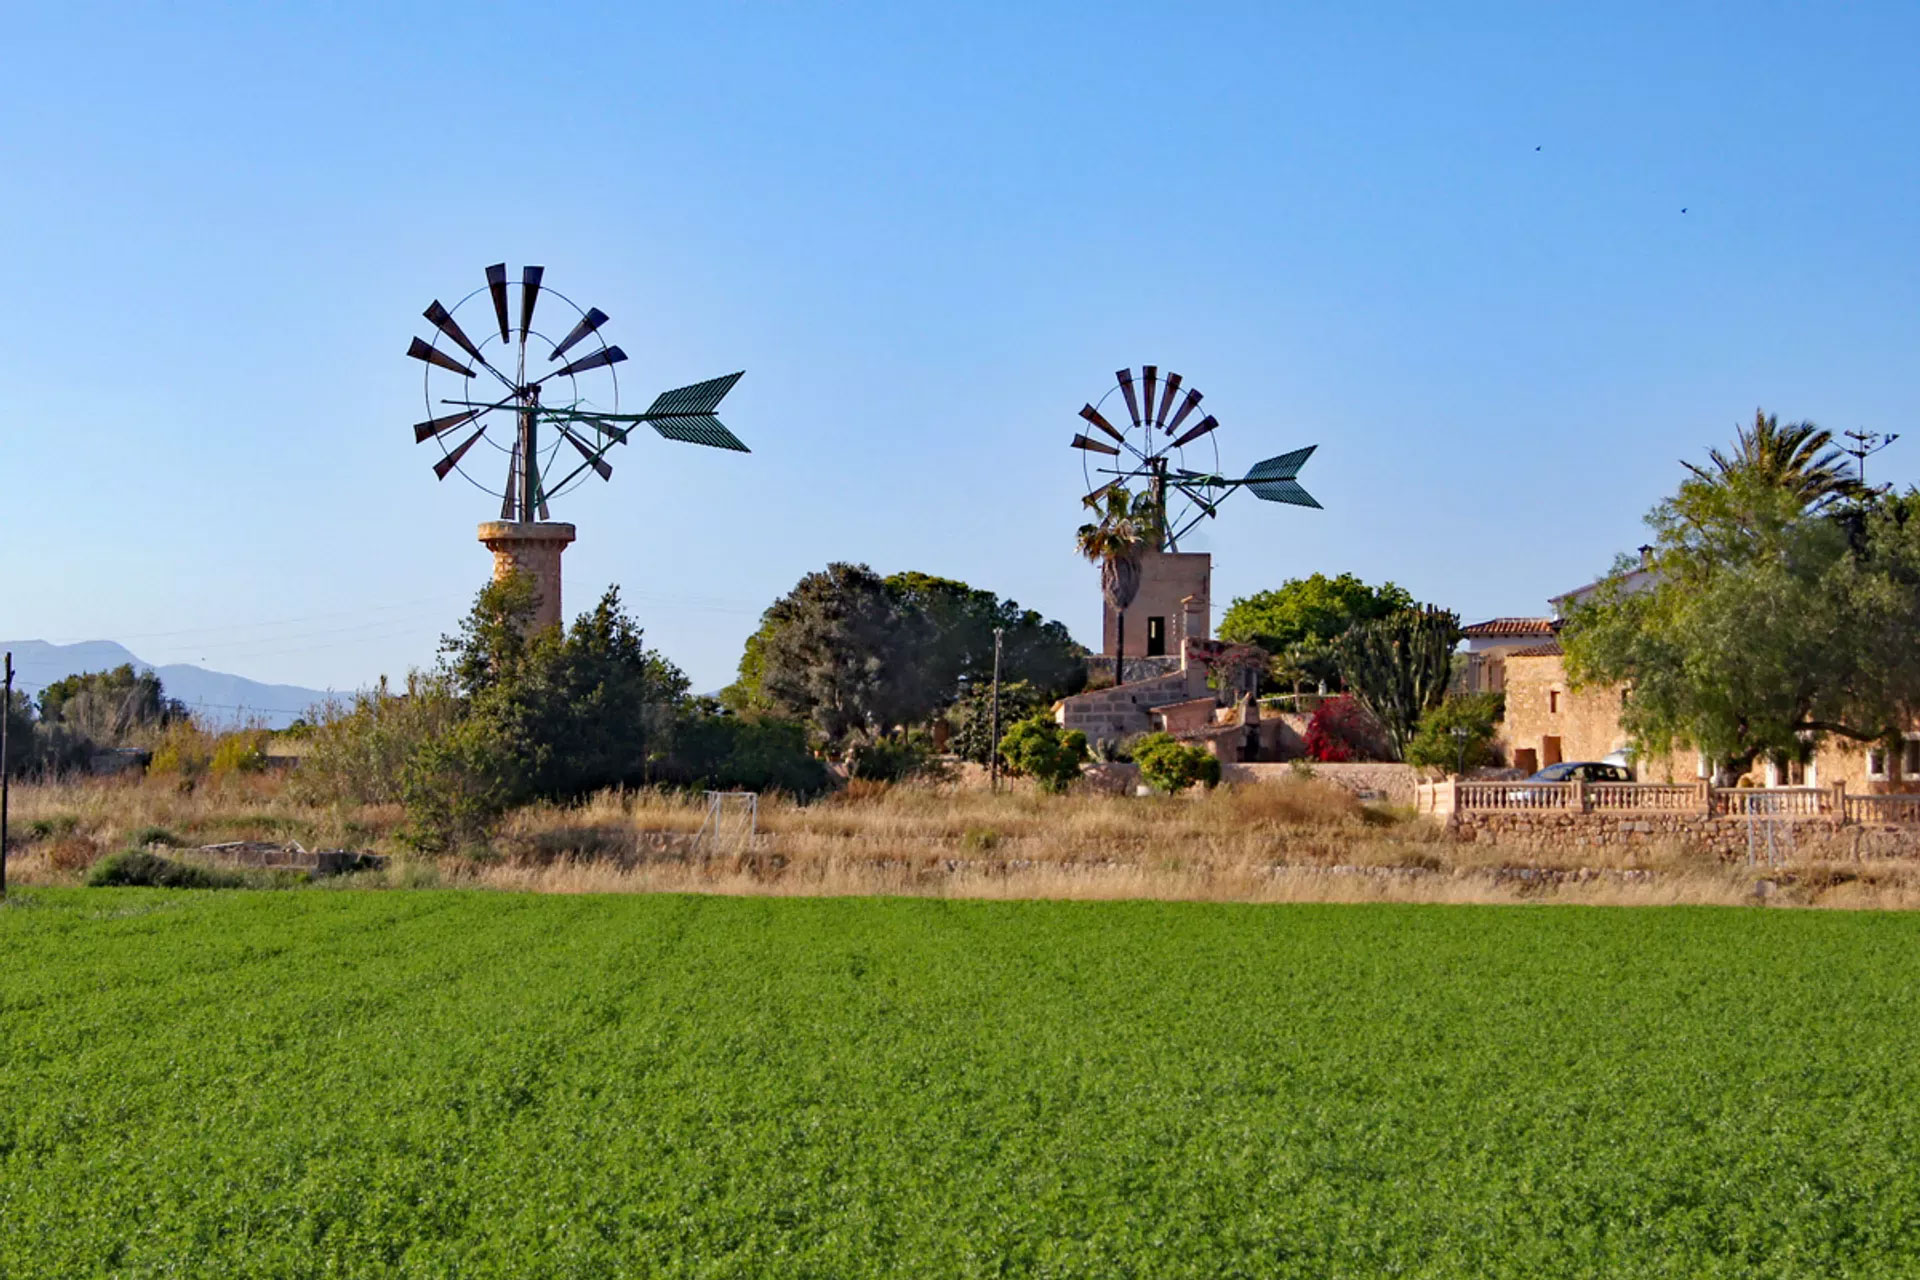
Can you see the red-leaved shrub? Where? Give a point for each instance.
(1340, 731)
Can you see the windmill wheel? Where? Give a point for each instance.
(501, 390)
(1145, 438)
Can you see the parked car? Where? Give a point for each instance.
(1566, 771)
(1583, 771)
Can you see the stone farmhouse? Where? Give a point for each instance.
(1548, 721)
(1485, 646)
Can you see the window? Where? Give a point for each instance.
(1910, 757)
(1156, 637)
(1553, 702)
(1877, 764)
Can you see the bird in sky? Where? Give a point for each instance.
(1683, 209)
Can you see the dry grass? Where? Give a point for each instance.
(1294, 841)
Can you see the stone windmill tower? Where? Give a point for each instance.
(550, 424)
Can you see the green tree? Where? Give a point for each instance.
(1799, 459)
(840, 654)
(1398, 667)
(1299, 620)
(1771, 622)
(1436, 745)
(1170, 766)
(972, 716)
(21, 755)
(1129, 527)
(109, 707)
(742, 753)
(910, 644)
(960, 621)
(1039, 748)
(545, 714)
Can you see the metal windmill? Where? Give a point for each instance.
(1179, 468)
(579, 401)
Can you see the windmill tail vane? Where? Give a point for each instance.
(1160, 454)
(563, 421)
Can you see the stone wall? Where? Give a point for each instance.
(1120, 711)
(1728, 839)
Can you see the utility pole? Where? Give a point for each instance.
(6, 715)
(1865, 445)
(993, 750)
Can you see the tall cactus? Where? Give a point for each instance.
(1399, 666)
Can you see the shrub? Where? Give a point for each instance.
(152, 835)
(357, 752)
(1342, 730)
(242, 752)
(72, 853)
(742, 753)
(1434, 744)
(886, 760)
(60, 824)
(1168, 765)
(183, 751)
(137, 867)
(1043, 751)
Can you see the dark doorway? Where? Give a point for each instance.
(1156, 637)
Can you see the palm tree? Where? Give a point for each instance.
(1128, 527)
(1799, 458)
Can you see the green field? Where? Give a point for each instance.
(362, 1084)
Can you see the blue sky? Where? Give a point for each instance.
(1444, 242)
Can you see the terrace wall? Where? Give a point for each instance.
(1728, 823)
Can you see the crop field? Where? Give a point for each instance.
(470, 1083)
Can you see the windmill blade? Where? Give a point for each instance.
(702, 398)
(700, 429)
(1092, 415)
(1287, 491)
(1148, 375)
(452, 460)
(1284, 467)
(1205, 425)
(425, 431)
(590, 322)
(497, 286)
(1187, 406)
(529, 294)
(442, 319)
(509, 499)
(604, 356)
(1126, 389)
(1166, 399)
(1094, 446)
(421, 351)
(594, 460)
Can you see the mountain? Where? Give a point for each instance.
(216, 697)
